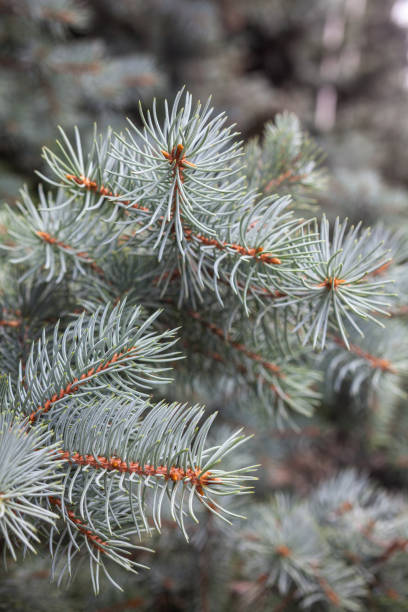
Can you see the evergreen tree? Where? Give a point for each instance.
(164, 268)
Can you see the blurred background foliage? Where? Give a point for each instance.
(339, 64)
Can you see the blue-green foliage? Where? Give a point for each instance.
(177, 230)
